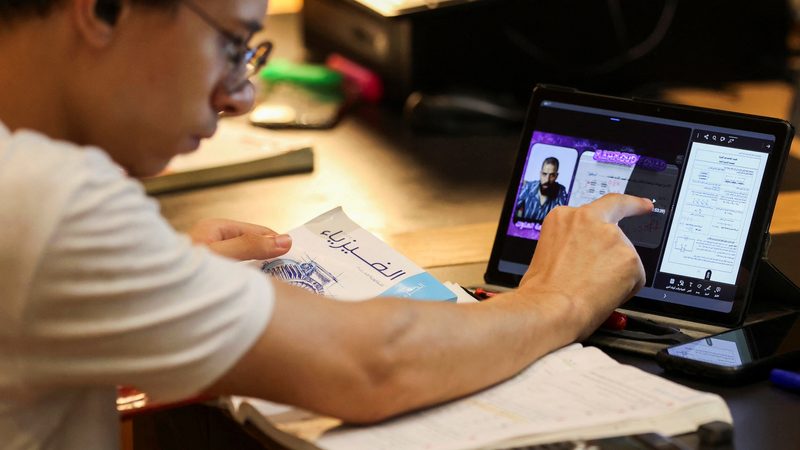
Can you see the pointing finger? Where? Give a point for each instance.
(615, 207)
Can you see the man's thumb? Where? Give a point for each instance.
(253, 246)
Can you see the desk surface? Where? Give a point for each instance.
(437, 199)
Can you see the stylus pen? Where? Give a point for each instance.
(785, 379)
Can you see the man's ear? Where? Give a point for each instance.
(96, 19)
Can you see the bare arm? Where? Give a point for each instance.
(367, 361)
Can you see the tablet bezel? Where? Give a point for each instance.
(762, 215)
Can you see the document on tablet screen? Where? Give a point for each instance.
(713, 212)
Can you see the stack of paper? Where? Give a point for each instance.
(574, 393)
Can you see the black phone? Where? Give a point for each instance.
(741, 354)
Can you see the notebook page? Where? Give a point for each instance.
(575, 388)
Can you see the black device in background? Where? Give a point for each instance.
(462, 112)
(612, 46)
(741, 354)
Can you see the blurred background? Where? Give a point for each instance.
(414, 107)
(468, 66)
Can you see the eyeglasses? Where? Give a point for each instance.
(245, 61)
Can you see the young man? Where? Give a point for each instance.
(538, 198)
(98, 290)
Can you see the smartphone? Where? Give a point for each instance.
(741, 354)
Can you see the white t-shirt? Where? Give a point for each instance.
(97, 290)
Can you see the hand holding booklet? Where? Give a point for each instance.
(575, 392)
(333, 256)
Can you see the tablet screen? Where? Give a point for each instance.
(704, 178)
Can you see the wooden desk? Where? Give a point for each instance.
(437, 199)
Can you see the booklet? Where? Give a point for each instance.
(333, 256)
(236, 152)
(573, 393)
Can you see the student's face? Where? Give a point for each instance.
(548, 175)
(166, 88)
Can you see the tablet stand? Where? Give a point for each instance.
(773, 287)
(773, 293)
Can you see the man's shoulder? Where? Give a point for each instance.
(43, 180)
(32, 149)
(31, 159)
(528, 189)
(531, 184)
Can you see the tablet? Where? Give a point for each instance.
(713, 177)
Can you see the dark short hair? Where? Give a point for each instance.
(552, 161)
(15, 9)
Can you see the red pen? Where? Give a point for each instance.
(616, 321)
(483, 294)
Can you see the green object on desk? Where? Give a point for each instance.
(310, 75)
